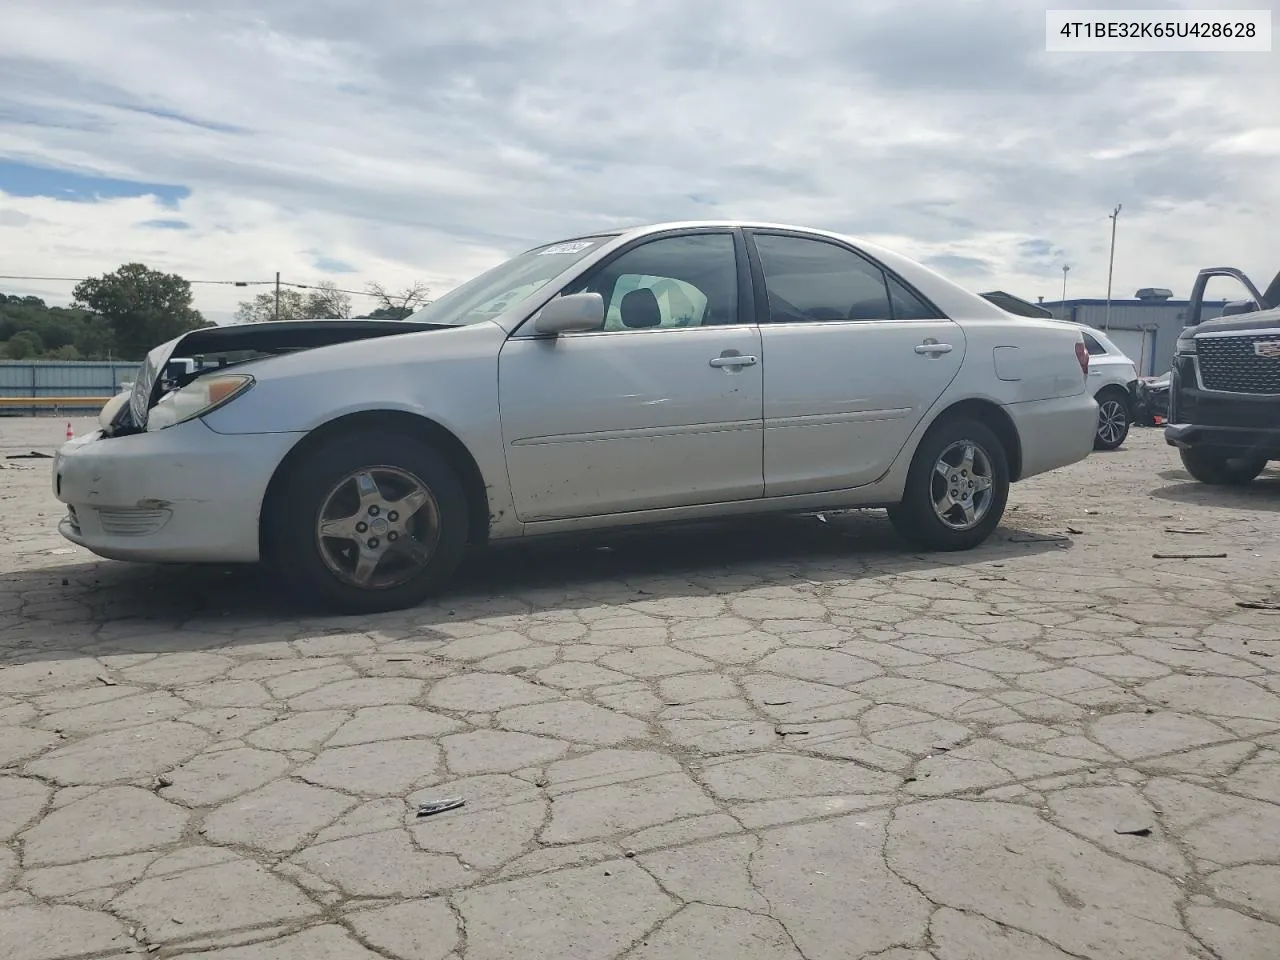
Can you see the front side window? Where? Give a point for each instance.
(688, 281)
(809, 280)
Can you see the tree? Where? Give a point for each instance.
(54, 328)
(143, 307)
(263, 307)
(401, 303)
(326, 301)
(323, 302)
(24, 346)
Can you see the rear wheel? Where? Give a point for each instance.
(1210, 466)
(367, 522)
(957, 488)
(1113, 421)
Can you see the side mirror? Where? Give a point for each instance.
(1238, 307)
(576, 313)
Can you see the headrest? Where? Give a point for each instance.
(639, 309)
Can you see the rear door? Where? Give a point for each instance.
(853, 358)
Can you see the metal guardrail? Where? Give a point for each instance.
(51, 403)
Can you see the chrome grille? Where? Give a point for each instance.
(131, 521)
(1230, 365)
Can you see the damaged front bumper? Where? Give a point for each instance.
(183, 494)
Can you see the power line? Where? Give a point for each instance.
(225, 283)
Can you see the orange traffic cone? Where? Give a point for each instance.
(70, 433)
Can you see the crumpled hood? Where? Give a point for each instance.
(282, 336)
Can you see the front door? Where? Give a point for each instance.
(662, 407)
(854, 360)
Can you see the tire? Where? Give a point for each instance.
(413, 555)
(916, 519)
(1209, 466)
(1114, 420)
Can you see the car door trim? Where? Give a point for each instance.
(640, 433)
(853, 416)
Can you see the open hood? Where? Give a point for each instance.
(179, 361)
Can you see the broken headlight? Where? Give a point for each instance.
(196, 399)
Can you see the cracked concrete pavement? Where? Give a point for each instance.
(768, 740)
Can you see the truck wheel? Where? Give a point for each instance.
(956, 489)
(365, 523)
(1209, 466)
(1113, 421)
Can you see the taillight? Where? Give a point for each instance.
(1082, 354)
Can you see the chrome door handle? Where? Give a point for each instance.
(733, 361)
(933, 348)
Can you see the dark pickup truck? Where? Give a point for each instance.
(1224, 391)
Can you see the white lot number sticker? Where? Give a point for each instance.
(576, 246)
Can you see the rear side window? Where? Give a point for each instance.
(1095, 348)
(808, 280)
(906, 305)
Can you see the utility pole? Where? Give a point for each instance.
(1065, 268)
(1115, 216)
(277, 294)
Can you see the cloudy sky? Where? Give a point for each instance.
(403, 140)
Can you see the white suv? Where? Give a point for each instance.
(1111, 379)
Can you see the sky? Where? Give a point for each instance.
(403, 141)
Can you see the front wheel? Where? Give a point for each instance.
(1113, 422)
(1214, 468)
(956, 489)
(365, 523)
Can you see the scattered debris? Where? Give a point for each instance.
(793, 732)
(630, 854)
(1134, 831)
(164, 780)
(777, 703)
(541, 782)
(1189, 531)
(1260, 653)
(399, 659)
(1189, 556)
(106, 681)
(1259, 604)
(33, 455)
(432, 807)
(1076, 530)
(1037, 538)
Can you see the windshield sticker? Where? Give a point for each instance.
(577, 246)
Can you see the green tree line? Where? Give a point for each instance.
(123, 314)
(118, 316)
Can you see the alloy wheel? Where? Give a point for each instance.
(378, 527)
(961, 485)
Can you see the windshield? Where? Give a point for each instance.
(504, 286)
